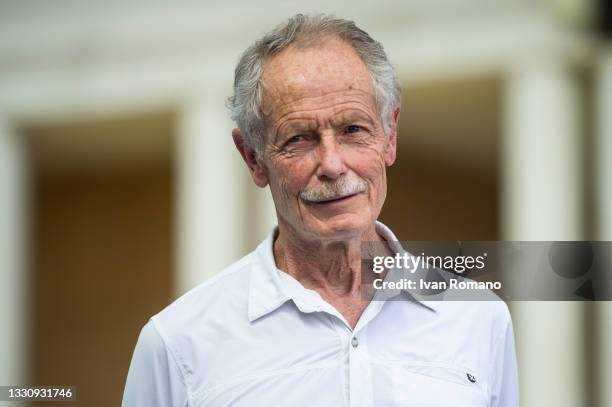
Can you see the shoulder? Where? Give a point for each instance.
(229, 287)
(187, 332)
(489, 318)
(477, 299)
(198, 315)
(472, 310)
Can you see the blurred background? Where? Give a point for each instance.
(120, 188)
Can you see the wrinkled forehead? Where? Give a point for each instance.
(307, 73)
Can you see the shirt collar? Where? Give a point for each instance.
(268, 290)
(420, 273)
(265, 289)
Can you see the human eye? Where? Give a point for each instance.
(296, 139)
(297, 142)
(353, 128)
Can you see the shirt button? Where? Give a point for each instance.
(354, 342)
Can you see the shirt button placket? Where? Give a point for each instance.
(354, 378)
(360, 375)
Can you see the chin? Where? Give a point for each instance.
(343, 226)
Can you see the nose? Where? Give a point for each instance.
(331, 163)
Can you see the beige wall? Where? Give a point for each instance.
(444, 184)
(102, 259)
(419, 195)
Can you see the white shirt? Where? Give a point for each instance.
(254, 336)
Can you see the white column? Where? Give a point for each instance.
(603, 145)
(542, 193)
(211, 182)
(542, 201)
(14, 312)
(603, 151)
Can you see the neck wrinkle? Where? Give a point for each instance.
(331, 268)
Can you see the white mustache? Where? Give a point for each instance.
(338, 189)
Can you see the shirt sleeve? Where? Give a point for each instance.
(504, 390)
(154, 378)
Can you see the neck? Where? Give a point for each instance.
(331, 267)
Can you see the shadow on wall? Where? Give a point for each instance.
(102, 248)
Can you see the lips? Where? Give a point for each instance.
(335, 199)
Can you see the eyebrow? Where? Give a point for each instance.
(306, 125)
(300, 126)
(297, 126)
(351, 116)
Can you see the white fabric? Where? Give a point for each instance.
(254, 336)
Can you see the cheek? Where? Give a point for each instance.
(371, 166)
(290, 178)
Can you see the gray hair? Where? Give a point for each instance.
(245, 104)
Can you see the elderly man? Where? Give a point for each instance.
(317, 105)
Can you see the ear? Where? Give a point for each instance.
(391, 147)
(258, 172)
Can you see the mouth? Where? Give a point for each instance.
(334, 200)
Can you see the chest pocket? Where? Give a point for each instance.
(436, 385)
